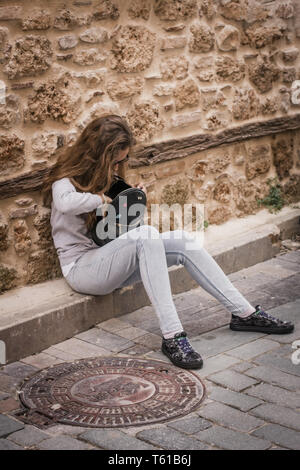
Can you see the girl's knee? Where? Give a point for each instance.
(145, 232)
(186, 241)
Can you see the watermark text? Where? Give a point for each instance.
(2, 352)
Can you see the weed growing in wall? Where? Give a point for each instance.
(274, 201)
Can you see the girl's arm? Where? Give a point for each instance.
(69, 201)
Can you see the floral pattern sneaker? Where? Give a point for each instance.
(181, 353)
(262, 322)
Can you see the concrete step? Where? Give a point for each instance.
(32, 318)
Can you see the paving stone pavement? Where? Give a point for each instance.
(252, 386)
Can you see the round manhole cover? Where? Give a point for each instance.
(113, 392)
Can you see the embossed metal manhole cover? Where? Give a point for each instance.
(112, 392)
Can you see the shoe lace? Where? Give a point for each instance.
(185, 345)
(262, 313)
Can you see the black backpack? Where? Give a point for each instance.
(121, 215)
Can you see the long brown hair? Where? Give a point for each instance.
(88, 163)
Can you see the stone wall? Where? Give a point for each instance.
(174, 68)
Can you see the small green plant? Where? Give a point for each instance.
(274, 201)
(206, 224)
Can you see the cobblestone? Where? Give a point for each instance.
(278, 414)
(19, 370)
(293, 257)
(136, 350)
(145, 315)
(290, 338)
(3, 396)
(232, 440)
(222, 340)
(67, 429)
(131, 333)
(9, 425)
(41, 360)
(8, 445)
(150, 341)
(62, 355)
(252, 386)
(104, 339)
(190, 425)
(242, 366)
(158, 355)
(278, 273)
(234, 399)
(196, 325)
(279, 435)
(8, 384)
(253, 349)
(216, 364)
(275, 377)
(284, 350)
(113, 325)
(230, 417)
(254, 281)
(273, 394)
(114, 440)
(63, 443)
(9, 404)
(288, 311)
(278, 362)
(282, 287)
(171, 439)
(282, 262)
(28, 437)
(232, 380)
(81, 348)
(267, 301)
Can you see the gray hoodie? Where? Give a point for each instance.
(69, 232)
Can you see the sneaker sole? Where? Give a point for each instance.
(261, 329)
(179, 364)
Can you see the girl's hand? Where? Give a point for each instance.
(106, 199)
(142, 187)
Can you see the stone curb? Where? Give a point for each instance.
(59, 318)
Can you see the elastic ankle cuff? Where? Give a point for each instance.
(247, 313)
(171, 334)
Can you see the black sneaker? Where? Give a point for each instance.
(262, 322)
(180, 352)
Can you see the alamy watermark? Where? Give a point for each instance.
(187, 221)
(2, 92)
(2, 352)
(295, 89)
(296, 354)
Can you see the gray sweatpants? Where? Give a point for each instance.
(144, 254)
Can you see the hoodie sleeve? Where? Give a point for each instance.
(69, 201)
